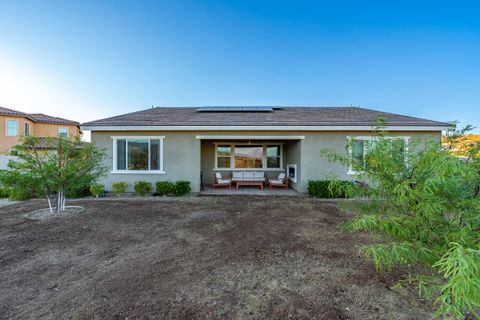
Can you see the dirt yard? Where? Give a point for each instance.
(194, 258)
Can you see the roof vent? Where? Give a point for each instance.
(236, 109)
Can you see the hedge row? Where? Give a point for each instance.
(163, 188)
(329, 188)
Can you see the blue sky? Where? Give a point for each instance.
(86, 60)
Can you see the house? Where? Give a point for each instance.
(195, 143)
(16, 124)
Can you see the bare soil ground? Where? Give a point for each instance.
(193, 258)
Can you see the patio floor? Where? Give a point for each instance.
(246, 190)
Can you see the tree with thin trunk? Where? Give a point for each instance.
(53, 167)
(426, 204)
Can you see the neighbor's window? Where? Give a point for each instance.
(359, 147)
(63, 132)
(138, 154)
(12, 128)
(247, 156)
(27, 129)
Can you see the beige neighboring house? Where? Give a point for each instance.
(204, 143)
(16, 124)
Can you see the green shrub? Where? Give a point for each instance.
(142, 188)
(329, 188)
(4, 192)
(182, 188)
(165, 188)
(97, 189)
(80, 193)
(21, 194)
(119, 188)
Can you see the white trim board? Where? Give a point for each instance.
(259, 128)
(225, 137)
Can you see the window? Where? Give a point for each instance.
(273, 156)
(27, 129)
(12, 128)
(224, 154)
(248, 156)
(359, 147)
(63, 132)
(138, 154)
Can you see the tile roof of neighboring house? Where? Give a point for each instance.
(40, 117)
(6, 111)
(36, 117)
(279, 116)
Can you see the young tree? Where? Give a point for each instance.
(426, 203)
(53, 167)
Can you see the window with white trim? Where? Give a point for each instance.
(137, 154)
(12, 127)
(360, 146)
(248, 156)
(63, 132)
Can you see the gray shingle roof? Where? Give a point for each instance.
(283, 116)
(36, 117)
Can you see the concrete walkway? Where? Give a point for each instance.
(249, 191)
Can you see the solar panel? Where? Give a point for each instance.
(235, 109)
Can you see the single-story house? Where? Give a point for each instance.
(195, 143)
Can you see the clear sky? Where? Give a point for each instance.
(86, 60)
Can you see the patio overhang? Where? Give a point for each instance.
(248, 137)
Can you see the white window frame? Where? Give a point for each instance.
(60, 129)
(126, 171)
(264, 156)
(350, 170)
(6, 127)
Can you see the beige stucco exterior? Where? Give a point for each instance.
(187, 158)
(36, 128)
(51, 130)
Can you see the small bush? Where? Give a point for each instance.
(21, 194)
(119, 188)
(165, 188)
(97, 189)
(182, 188)
(4, 192)
(329, 188)
(142, 188)
(83, 192)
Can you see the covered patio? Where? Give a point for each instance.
(253, 157)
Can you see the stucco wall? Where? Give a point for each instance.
(36, 129)
(293, 156)
(181, 159)
(317, 167)
(51, 130)
(7, 142)
(185, 157)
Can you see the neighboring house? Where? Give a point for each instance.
(16, 124)
(194, 143)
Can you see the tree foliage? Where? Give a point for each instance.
(426, 203)
(53, 167)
